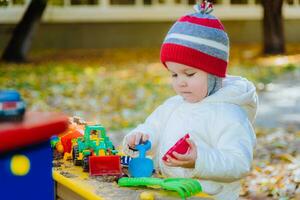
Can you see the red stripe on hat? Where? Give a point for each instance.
(212, 23)
(193, 58)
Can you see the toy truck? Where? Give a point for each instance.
(62, 145)
(12, 106)
(95, 152)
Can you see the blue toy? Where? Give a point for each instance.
(141, 166)
(26, 156)
(26, 173)
(12, 107)
(125, 160)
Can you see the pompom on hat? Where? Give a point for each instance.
(198, 40)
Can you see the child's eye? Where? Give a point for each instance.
(192, 74)
(174, 75)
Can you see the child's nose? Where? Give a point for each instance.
(182, 82)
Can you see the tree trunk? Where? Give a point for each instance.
(20, 42)
(273, 27)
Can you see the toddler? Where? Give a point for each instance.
(217, 110)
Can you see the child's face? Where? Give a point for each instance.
(188, 82)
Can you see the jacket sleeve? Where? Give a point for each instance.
(152, 126)
(231, 158)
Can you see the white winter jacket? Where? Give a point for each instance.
(221, 127)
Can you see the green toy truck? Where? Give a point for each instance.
(94, 143)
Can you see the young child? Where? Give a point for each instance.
(216, 110)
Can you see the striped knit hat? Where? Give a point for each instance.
(198, 40)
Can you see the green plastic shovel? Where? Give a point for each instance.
(186, 187)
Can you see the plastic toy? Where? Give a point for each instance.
(141, 166)
(125, 160)
(12, 107)
(95, 143)
(186, 187)
(147, 196)
(26, 156)
(55, 143)
(62, 144)
(66, 140)
(104, 165)
(181, 147)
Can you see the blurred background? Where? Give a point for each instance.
(99, 59)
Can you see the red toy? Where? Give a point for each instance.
(66, 140)
(180, 147)
(35, 127)
(104, 165)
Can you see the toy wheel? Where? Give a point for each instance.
(85, 164)
(75, 155)
(15, 118)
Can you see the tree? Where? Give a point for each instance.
(20, 42)
(273, 27)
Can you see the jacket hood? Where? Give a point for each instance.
(239, 91)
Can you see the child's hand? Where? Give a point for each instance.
(136, 138)
(187, 160)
